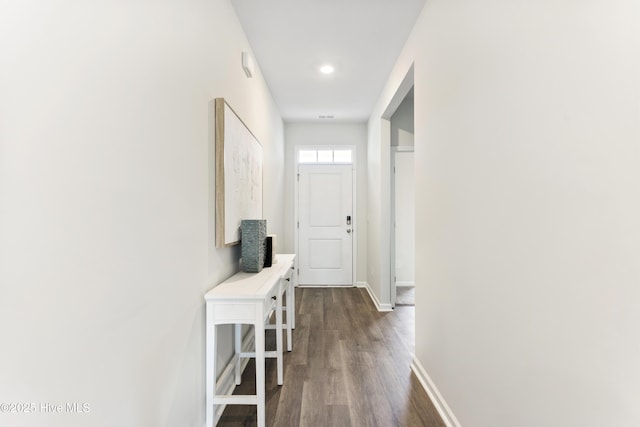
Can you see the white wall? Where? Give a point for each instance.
(107, 202)
(402, 124)
(305, 134)
(526, 141)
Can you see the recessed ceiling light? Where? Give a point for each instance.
(327, 69)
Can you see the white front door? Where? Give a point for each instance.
(326, 224)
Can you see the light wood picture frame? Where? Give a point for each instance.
(238, 174)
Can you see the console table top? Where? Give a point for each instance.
(252, 285)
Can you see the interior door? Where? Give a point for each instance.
(326, 224)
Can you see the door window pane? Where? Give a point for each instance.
(325, 156)
(307, 156)
(342, 156)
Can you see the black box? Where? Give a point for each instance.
(268, 251)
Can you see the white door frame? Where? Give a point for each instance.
(354, 220)
(385, 269)
(392, 204)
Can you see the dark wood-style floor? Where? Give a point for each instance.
(350, 366)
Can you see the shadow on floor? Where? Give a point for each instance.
(405, 295)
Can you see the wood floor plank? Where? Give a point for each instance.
(360, 406)
(289, 407)
(338, 415)
(300, 346)
(350, 366)
(313, 408)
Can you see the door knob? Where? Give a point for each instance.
(348, 230)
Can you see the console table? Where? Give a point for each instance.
(249, 298)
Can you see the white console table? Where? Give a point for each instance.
(249, 298)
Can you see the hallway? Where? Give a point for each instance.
(349, 367)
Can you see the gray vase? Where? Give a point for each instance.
(253, 235)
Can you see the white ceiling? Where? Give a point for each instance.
(291, 39)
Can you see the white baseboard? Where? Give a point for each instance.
(227, 381)
(405, 284)
(438, 401)
(324, 286)
(374, 298)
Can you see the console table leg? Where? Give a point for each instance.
(210, 366)
(279, 338)
(292, 310)
(260, 383)
(290, 316)
(238, 344)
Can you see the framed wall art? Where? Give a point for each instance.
(238, 174)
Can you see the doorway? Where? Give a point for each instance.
(397, 128)
(403, 194)
(325, 217)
